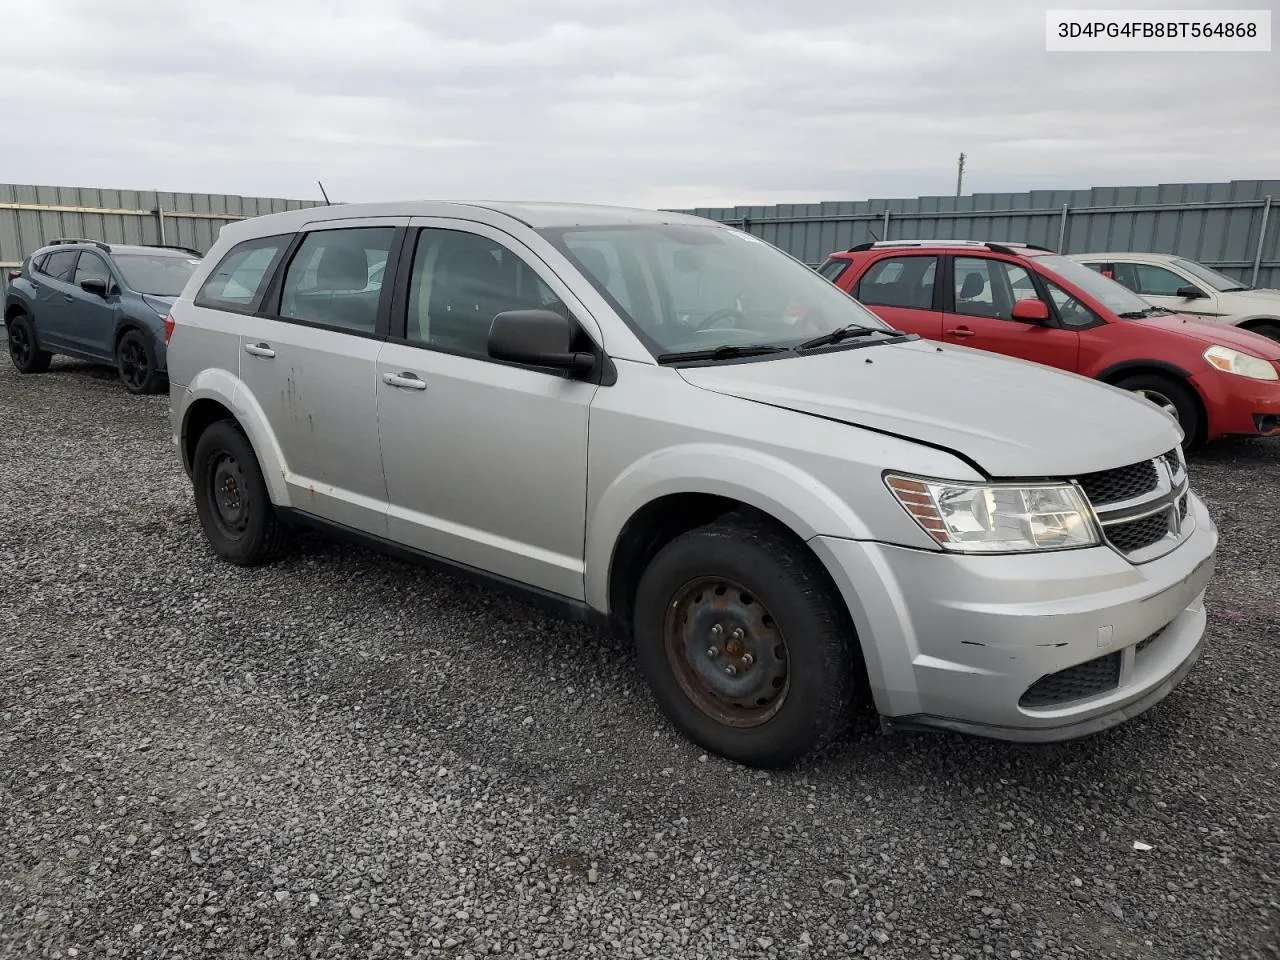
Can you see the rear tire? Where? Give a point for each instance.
(741, 593)
(24, 348)
(1173, 395)
(235, 510)
(136, 363)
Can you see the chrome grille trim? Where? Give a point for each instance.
(1129, 525)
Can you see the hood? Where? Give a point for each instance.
(1011, 417)
(1262, 294)
(1207, 332)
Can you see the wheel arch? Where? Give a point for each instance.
(1120, 371)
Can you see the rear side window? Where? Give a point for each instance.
(899, 282)
(335, 278)
(239, 277)
(60, 265)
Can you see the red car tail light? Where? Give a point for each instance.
(15, 274)
(168, 328)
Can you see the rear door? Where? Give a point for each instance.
(54, 299)
(902, 290)
(979, 313)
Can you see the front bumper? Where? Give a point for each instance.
(966, 643)
(1238, 406)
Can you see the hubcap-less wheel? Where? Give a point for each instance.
(1161, 401)
(726, 652)
(134, 366)
(229, 489)
(19, 344)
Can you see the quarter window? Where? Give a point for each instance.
(461, 281)
(1073, 314)
(333, 278)
(832, 269)
(238, 279)
(989, 288)
(899, 282)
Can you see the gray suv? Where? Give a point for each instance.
(671, 428)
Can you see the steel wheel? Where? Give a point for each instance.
(20, 345)
(726, 652)
(135, 368)
(229, 490)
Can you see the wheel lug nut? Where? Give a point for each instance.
(731, 670)
(713, 652)
(717, 630)
(737, 634)
(748, 659)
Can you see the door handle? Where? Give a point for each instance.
(406, 380)
(259, 350)
(960, 332)
(68, 298)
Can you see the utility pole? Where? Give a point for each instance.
(959, 174)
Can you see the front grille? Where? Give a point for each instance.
(1182, 508)
(1086, 679)
(1138, 534)
(1123, 483)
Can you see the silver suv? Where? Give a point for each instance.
(670, 428)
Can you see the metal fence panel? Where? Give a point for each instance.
(31, 216)
(1231, 226)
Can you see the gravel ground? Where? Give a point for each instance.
(344, 756)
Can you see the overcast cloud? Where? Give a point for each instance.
(658, 103)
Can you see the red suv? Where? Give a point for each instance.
(1026, 301)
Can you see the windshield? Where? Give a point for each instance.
(159, 274)
(691, 288)
(1112, 295)
(1220, 282)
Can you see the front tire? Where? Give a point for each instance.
(1170, 395)
(1268, 328)
(136, 363)
(231, 498)
(24, 349)
(747, 647)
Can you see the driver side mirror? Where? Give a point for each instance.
(1191, 292)
(94, 286)
(1031, 310)
(540, 338)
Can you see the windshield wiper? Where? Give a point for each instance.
(728, 351)
(1139, 314)
(845, 333)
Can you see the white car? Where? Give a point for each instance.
(1186, 286)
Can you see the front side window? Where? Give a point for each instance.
(238, 279)
(1219, 281)
(689, 287)
(60, 265)
(91, 267)
(157, 274)
(899, 282)
(1153, 281)
(1073, 314)
(989, 288)
(330, 280)
(460, 281)
(1112, 295)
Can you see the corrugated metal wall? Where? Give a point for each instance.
(1219, 224)
(31, 216)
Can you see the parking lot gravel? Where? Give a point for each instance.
(345, 756)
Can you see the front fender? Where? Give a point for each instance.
(226, 388)
(772, 485)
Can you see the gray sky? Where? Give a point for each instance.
(645, 102)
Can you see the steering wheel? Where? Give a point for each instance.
(724, 313)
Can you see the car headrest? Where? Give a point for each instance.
(342, 268)
(973, 285)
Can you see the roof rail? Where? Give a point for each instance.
(62, 240)
(173, 246)
(1002, 247)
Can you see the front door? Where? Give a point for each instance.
(980, 314)
(1159, 285)
(311, 369)
(91, 319)
(485, 462)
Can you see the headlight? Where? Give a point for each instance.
(1241, 364)
(994, 518)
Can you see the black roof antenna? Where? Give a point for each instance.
(327, 201)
